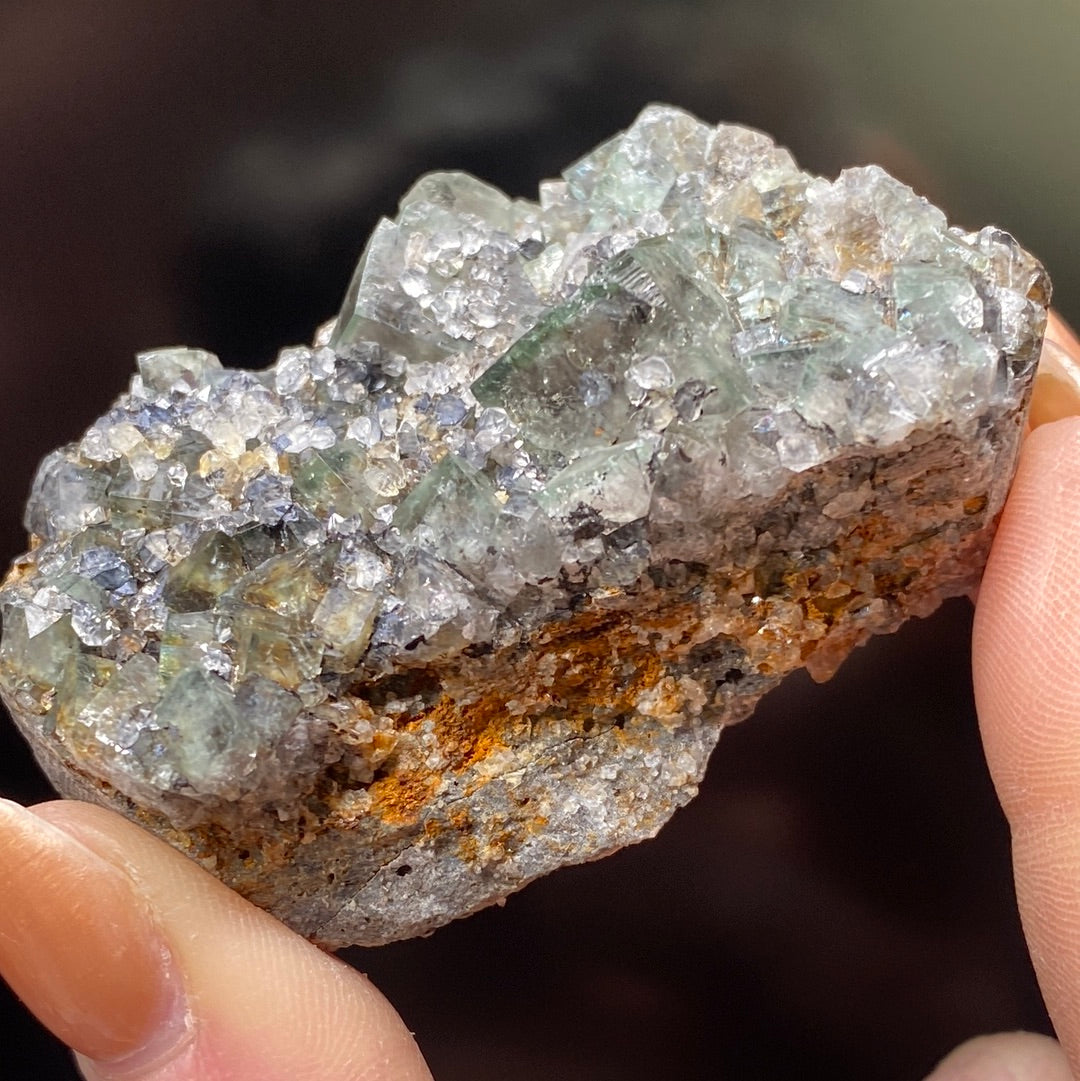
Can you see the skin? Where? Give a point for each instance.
(169, 976)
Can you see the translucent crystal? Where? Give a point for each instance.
(180, 369)
(565, 381)
(612, 482)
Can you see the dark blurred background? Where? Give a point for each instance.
(837, 903)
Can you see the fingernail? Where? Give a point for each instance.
(1057, 386)
(79, 946)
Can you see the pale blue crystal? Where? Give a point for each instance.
(179, 369)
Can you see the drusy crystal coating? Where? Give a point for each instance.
(466, 590)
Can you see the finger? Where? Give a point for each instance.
(1027, 686)
(1006, 1056)
(1057, 382)
(152, 970)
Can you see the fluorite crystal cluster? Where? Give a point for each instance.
(467, 589)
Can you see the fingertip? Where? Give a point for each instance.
(1005, 1056)
(263, 1003)
(1056, 392)
(79, 944)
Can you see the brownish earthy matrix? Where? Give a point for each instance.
(467, 590)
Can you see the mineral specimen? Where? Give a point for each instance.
(466, 590)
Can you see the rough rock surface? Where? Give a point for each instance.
(466, 590)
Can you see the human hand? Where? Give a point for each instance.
(151, 969)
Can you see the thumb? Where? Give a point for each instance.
(152, 970)
(1027, 687)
